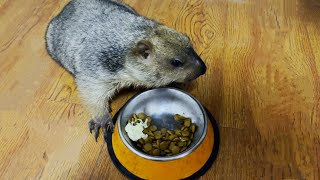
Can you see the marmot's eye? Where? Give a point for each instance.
(176, 63)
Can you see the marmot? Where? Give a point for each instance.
(106, 45)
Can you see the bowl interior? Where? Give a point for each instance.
(162, 104)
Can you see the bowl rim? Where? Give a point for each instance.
(164, 158)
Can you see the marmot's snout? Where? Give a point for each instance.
(199, 67)
(202, 67)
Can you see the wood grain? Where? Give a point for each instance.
(262, 85)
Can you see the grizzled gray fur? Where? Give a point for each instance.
(106, 46)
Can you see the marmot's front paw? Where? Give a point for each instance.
(96, 123)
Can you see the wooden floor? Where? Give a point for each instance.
(262, 85)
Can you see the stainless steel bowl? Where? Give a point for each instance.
(161, 104)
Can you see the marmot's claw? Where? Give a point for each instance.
(91, 125)
(96, 123)
(95, 126)
(111, 126)
(107, 125)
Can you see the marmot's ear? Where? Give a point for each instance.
(143, 49)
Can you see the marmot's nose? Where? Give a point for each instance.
(203, 67)
(199, 63)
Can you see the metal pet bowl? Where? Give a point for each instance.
(162, 104)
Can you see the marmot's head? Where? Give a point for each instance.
(165, 56)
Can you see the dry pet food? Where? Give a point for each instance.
(160, 142)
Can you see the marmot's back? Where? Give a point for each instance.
(85, 29)
(55, 41)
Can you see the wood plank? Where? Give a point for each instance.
(262, 86)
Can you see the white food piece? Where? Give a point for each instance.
(135, 132)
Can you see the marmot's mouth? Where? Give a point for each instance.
(177, 85)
